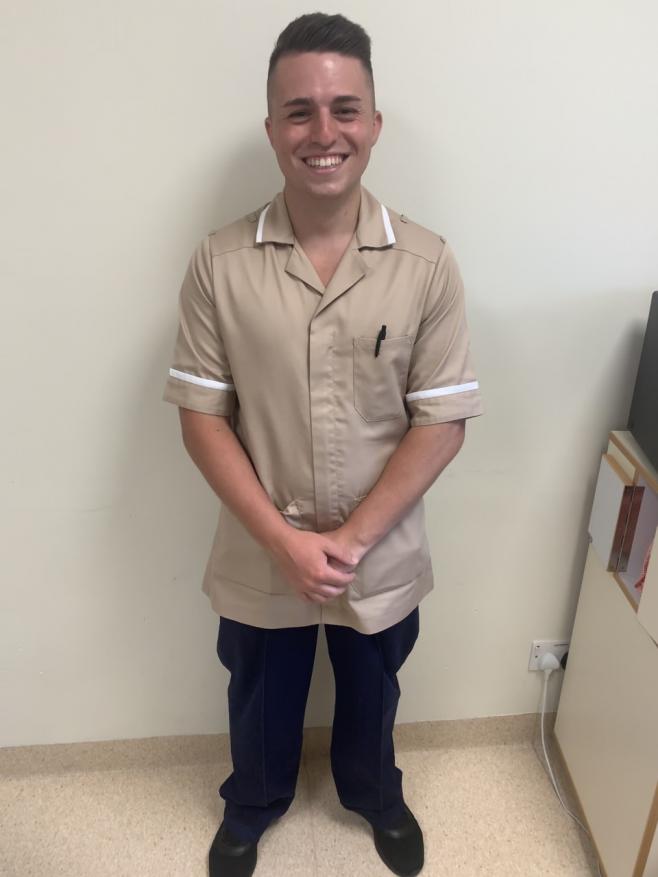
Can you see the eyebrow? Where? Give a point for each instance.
(306, 101)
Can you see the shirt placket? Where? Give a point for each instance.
(323, 365)
(321, 389)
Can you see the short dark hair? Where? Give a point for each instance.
(318, 32)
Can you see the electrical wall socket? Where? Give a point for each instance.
(544, 646)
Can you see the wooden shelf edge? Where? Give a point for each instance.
(624, 590)
(633, 452)
(647, 837)
(581, 812)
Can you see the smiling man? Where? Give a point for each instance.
(323, 376)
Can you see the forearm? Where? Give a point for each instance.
(223, 462)
(421, 456)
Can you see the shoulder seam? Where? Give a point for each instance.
(212, 268)
(428, 231)
(397, 249)
(233, 250)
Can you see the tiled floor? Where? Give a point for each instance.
(484, 809)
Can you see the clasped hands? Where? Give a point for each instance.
(319, 566)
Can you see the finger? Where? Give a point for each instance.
(340, 553)
(341, 567)
(330, 590)
(336, 578)
(316, 598)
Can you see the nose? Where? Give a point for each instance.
(323, 131)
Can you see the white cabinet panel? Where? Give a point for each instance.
(607, 719)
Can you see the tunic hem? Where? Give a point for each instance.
(368, 615)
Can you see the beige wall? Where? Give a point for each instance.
(524, 132)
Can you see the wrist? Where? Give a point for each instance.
(357, 539)
(275, 538)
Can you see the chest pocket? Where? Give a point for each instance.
(380, 381)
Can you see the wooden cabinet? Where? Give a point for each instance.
(607, 719)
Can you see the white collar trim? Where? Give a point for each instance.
(390, 237)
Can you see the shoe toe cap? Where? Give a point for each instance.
(230, 856)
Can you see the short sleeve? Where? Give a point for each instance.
(441, 384)
(200, 377)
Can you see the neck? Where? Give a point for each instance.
(315, 219)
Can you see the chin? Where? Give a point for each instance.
(329, 189)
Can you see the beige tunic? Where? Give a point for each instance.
(293, 363)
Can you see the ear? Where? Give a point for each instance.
(268, 129)
(377, 122)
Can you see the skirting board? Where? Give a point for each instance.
(209, 748)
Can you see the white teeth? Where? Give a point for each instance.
(332, 161)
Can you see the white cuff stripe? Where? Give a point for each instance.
(261, 223)
(390, 237)
(202, 382)
(442, 391)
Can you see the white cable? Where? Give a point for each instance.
(547, 670)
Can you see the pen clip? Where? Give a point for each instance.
(380, 338)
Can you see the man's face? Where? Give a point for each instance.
(321, 107)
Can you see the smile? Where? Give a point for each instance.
(328, 161)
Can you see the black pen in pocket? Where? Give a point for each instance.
(380, 338)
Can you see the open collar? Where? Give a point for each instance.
(373, 227)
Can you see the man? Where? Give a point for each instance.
(323, 376)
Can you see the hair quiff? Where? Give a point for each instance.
(319, 32)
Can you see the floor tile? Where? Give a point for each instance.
(485, 811)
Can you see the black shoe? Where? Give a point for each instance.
(230, 856)
(401, 847)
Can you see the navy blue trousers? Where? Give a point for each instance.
(270, 679)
